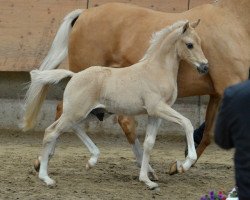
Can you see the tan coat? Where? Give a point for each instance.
(118, 34)
(147, 87)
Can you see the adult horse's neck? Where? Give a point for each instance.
(240, 8)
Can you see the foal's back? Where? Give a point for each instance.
(117, 90)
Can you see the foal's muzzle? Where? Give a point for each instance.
(203, 68)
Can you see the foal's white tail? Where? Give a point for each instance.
(59, 48)
(40, 80)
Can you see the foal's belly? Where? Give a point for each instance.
(128, 106)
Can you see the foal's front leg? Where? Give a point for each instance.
(152, 128)
(164, 111)
(127, 124)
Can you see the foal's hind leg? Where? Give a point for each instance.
(127, 124)
(164, 111)
(59, 110)
(89, 144)
(37, 162)
(50, 137)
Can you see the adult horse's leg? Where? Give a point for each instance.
(210, 118)
(128, 125)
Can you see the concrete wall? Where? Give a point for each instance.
(13, 88)
(26, 35)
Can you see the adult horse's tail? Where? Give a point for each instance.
(59, 48)
(40, 80)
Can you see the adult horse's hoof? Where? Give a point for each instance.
(37, 165)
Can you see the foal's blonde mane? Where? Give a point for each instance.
(158, 37)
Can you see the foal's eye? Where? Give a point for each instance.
(190, 45)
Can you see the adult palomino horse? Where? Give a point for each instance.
(107, 35)
(151, 88)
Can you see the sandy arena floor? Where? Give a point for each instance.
(116, 174)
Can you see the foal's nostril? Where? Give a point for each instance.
(203, 68)
(204, 65)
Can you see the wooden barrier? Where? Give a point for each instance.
(28, 27)
(167, 6)
(194, 3)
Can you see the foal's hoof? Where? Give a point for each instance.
(152, 176)
(152, 185)
(51, 184)
(37, 165)
(88, 166)
(48, 181)
(176, 167)
(173, 168)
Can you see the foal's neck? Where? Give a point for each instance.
(165, 58)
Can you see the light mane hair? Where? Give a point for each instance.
(158, 37)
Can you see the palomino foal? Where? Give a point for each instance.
(151, 88)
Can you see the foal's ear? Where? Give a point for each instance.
(195, 24)
(185, 27)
